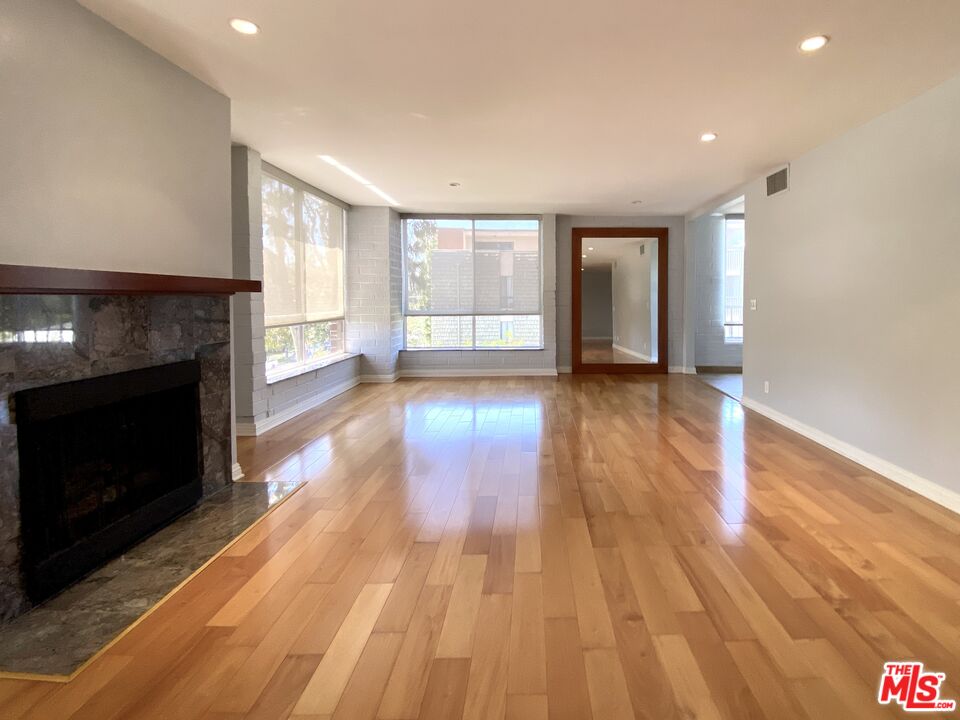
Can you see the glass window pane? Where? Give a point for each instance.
(322, 340)
(445, 332)
(322, 258)
(508, 265)
(280, 344)
(508, 331)
(439, 265)
(281, 281)
(734, 243)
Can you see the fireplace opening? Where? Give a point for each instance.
(104, 462)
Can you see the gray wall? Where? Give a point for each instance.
(705, 243)
(597, 296)
(856, 270)
(113, 158)
(674, 223)
(632, 293)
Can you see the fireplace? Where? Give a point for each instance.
(52, 340)
(104, 462)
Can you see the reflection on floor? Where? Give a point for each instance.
(63, 633)
(728, 383)
(597, 352)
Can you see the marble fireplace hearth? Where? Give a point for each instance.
(48, 339)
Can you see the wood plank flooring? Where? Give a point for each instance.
(588, 547)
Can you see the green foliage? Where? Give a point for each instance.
(422, 239)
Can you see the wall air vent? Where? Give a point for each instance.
(779, 181)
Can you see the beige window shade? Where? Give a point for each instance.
(302, 256)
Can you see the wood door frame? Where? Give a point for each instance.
(662, 235)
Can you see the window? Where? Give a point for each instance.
(472, 283)
(733, 242)
(302, 278)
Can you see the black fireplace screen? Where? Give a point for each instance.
(103, 463)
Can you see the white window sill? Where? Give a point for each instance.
(292, 372)
(479, 349)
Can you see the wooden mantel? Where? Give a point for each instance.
(31, 280)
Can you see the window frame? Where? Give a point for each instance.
(299, 189)
(473, 218)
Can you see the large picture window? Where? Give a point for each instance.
(472, 283)
(303, 238)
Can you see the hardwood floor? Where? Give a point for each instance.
(532, 548)
(595, 352)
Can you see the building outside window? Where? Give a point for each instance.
(472, 283)
(734, 243)
(303, 278)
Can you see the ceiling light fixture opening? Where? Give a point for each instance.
(244, 27)
(589, 248)
(454, 184)
(354, 175)
(708, 137)
(636, 202)
(814, 43)
(583, 256)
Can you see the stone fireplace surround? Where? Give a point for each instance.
(99, 335)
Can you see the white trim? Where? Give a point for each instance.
(472, 372)
(271, 421)
(598, 337)
(927, 488)
(632, 353)
(680, 370)
(393, 377)
(237, 472)
(564, 369)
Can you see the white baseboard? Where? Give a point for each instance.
(927, 488)
(564, 369)
(472, 372)
(393, 377)
(632, 353)
(237, 472)
(680, 370)
(268, 423)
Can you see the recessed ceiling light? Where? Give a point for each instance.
(708, 137)
(244, 27)
(583, 256)
(814, 43)
(636, 202)
(589, 248)
(454, 184)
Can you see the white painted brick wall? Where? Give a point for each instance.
(372, 293)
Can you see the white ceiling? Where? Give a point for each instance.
(577, 106)
(606, 250)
